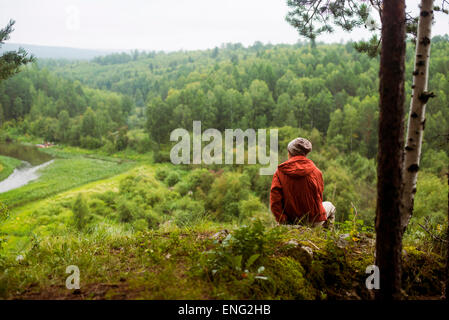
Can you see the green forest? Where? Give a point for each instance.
(140, 227)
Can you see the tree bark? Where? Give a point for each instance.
(447, 238)
(390, 152)
(417, 113)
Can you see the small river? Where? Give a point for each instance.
(32, 160)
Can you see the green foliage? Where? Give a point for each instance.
(145, 226)
(239, 252)
(431, 199)
(306, 15)
(99, 207)
(435, 161)
(138, 140)
(421, 271)
(80, 213)
(249, 208)
(4, 212)
(196, 183)
(188, 212)
(339, 189)
(89, 142)
(225, 193)
(370, 47)
(153, 219)
(7, 166)
(161, 173)
(145, 191)
(126, 210)
(289, 279)
(11, 61)
(259, 184)
(255, 239)
(61, 110)
(353, 225)
(172, 178)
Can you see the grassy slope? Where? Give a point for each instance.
(62, 175)
(24, 221)
(169, 264)
(7, 166)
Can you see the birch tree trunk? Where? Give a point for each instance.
(417, 119)
(390, 153)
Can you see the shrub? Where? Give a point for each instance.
(89, 142)
(255, 238)
(172, 178)
(340, 189)
(182, 188)
(242, 251)
(109, 147)
(188, 211)
(432, 193)
(144, 145)
(108, 198)
(225, 194)
(152, 219)
(80, 212)
(199, 181)
(4, 212)
(260, 184)
(139, 141)
(289, 280)
(140, 225)
(435, 162)
(161, 156)
(248, 208)
(53, 209)
(121, 141)
(161, 173)
(99, 207)
(159, 195)
(144, 190)
(126, 210)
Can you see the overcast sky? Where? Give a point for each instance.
(159, 24)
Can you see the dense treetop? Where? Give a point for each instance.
(331, 87)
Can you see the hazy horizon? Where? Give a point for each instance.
(112, 25)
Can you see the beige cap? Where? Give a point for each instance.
(299, 146)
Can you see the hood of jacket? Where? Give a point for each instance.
(298, 166)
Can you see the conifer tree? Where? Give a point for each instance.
(11, 61)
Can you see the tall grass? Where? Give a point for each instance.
(7, 166)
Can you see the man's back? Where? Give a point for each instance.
(297, 191)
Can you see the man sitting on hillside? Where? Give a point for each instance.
(297, 189)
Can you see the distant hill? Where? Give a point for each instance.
(57, 52)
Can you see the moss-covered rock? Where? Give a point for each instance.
(422, 273)
(289, 279)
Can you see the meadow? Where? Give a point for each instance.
(65, 173)
(7, 165)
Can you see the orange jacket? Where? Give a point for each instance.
(297, 191)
